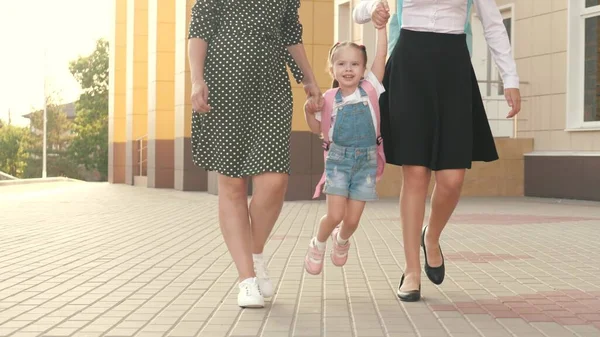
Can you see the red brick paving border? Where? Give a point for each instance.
(513, 219)
(508, 219)
(567, 307)
(482, 257)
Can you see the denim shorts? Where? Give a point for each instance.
(351, 172)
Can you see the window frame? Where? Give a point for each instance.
(577, 14)
(338, 24)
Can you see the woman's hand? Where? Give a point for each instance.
(381, 14)
(314, 98)
(312, 90)
(312, 105)
(200, 97)
(513, 98)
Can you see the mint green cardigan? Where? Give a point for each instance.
(396, 24)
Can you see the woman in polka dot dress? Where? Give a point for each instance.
(241, 126)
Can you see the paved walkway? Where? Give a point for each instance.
(80, 259)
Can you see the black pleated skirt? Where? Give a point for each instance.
(432, 114)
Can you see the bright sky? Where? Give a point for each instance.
(68, 28)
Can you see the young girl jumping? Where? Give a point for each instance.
(354, 159)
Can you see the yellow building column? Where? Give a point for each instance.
(137, 88)
(116, 99)
(161, 93)
(305, 147)
(188, 177)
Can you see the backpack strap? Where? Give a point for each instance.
(468, 30)
(326, 112)
(395, 26)
(368, 87)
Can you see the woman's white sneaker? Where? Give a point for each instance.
(264, 282)
(250, 295)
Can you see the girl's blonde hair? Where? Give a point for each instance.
(339, 45)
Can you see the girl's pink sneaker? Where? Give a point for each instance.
(313, 262)
(339, 253)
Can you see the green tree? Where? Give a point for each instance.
(13, 149)
(90, 142)
(58, 127)
(58, 139)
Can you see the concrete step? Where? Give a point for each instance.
(140, 181)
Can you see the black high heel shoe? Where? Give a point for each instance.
(435, 274)
(408, 296)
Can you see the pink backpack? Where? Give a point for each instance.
(329, 98)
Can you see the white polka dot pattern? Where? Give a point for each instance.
(248, 129)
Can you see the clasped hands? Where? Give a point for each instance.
(380, 14)
(314, 99)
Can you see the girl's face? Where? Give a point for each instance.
(348, 66)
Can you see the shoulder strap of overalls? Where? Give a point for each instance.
(368, 88)
(396, 25)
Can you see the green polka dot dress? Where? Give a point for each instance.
(247, 132)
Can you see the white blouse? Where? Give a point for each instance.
(449, 16)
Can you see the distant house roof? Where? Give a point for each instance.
(68, 109)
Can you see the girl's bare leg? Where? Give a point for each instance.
(336, 209)
(354, 211)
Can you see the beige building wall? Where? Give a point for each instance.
(550, 38)
(541, 39)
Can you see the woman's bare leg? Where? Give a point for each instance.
(265, 207)
(415, 182)
(446, 193)
(234, 222)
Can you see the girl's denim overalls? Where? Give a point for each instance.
(351, 164)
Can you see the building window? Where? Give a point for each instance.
(343, 20)
(583, 69)
(591, 110)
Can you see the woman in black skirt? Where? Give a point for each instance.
(432, 115)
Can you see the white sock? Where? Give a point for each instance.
(339, 240)
(248, 280)
(257, 256)
(320, 245)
